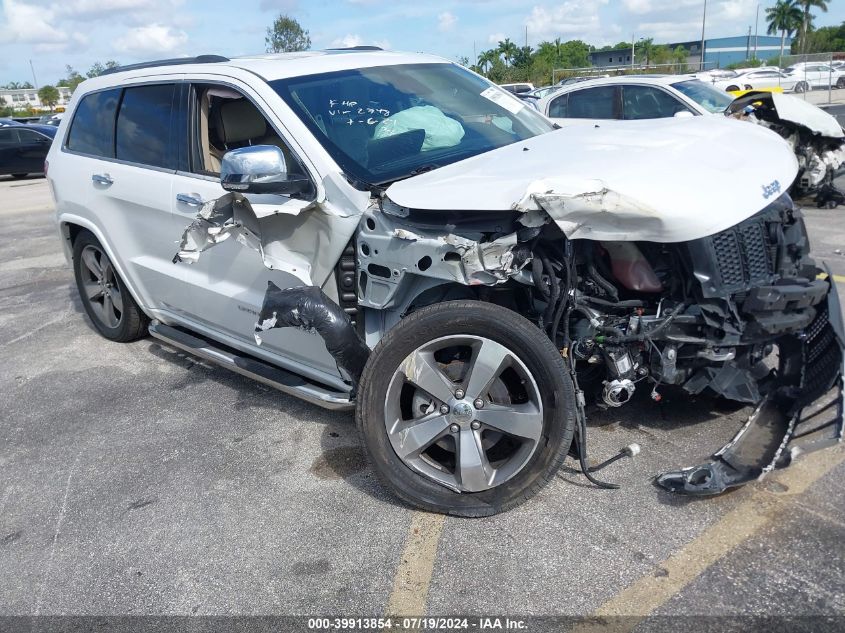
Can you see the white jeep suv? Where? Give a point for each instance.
(392, 233)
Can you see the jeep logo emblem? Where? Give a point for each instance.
(771, 189)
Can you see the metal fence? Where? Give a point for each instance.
(808, 73)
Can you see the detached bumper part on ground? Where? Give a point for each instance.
(802, 412)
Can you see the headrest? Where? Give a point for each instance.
(239, 120)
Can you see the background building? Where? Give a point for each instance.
(23, 98)
(718, 52)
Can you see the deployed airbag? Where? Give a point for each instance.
(440, 130)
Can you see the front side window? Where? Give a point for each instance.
(710, 98)
(226, 119)
(385, 123)
(648, 102)
(31, 136)
(143, 132)
(557, 107)
(92, 128)
(592, 103)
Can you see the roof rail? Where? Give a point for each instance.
(356, 48)
(177, 61)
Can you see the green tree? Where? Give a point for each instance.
(49, 96)
(98, 69)
(806, 6)
(286, 36)
(486, 59)
(507, 49)
(13, 85)
(27, 86)
(786, 17)
(72, 78)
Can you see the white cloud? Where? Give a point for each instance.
(30, 24)
(446, 21)
(573, 18)
(152, 38)
(495, 38)
(353, 39)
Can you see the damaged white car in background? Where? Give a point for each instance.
(391, 233)
(815, 136)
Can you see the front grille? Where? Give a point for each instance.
(744, 255)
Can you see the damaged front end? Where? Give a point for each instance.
(816, 138)
(744, 314)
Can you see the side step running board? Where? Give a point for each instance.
(250, 367)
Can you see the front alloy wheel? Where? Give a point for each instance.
(466, 408)
(465, 412)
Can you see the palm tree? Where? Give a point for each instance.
(806, 5)
(508, 50)
(486, 59)
(786, 16)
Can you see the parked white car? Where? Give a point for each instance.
(760, 79)
(392, 233)
(633, 97)
(815, 135)
(810, 75)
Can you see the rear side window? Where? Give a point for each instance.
(592, 103)
(92, 128)
(144, 130)
(8, 136)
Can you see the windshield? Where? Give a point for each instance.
(710, 98)
(385, 123)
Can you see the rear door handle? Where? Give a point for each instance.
(191, 199)
(102, 179)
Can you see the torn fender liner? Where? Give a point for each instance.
(309, 308)
(810, 366)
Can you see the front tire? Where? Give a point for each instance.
(801, 87)
(104, 296)
(466, 408)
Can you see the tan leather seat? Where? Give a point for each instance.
(238, 122)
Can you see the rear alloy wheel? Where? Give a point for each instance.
(466, 408)
(104, 295)
(801, 86)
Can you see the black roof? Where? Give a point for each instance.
(177, 61)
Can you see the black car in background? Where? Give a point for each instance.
(23, 148)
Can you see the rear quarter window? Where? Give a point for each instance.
(92, 127)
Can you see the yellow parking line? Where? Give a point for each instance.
(840, 279)
(413, 576)
(760, 508)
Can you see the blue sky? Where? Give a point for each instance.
(53, 33)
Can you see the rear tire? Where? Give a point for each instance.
(801, 87)
(530, 405)
(19, 176)
(104, 296)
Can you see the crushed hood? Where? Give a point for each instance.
(794, 110)
(667, 180)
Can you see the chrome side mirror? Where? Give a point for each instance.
(260, 169)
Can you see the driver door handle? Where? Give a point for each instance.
(191, 199)
(102, 179)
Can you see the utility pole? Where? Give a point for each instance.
(748, 44)
(756, 29)
(34, 80)
(526, 36)
(703, 22)
(633, 50)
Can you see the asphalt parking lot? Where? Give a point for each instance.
(136, 480)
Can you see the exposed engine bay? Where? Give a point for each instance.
(744, 314)
(815, 136)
